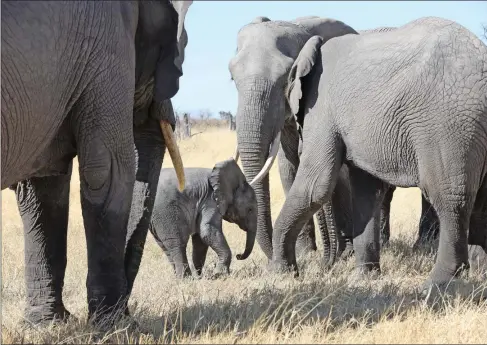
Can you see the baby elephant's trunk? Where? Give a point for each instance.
(249, 244)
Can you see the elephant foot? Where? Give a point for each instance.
(221, 271)
(363, 273)
(281, 267)
(46, 315)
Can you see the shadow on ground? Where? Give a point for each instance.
(332, 300)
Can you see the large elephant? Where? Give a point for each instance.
(265, 53)
(429, 224)
(404, 108)
(91, 79)
(264, 117)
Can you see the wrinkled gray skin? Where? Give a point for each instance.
(210, 196)
(263, 112)
(265, 53)
(404, 108)
(63, 94)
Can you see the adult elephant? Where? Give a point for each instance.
(429, 224)
(94, 85)
(428, 129)
(264, 120)
(266, 50)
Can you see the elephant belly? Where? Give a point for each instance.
(390, 162)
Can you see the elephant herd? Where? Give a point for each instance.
(350, 115)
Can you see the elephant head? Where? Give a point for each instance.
(160, 41)
(236, 200)
(266, 51)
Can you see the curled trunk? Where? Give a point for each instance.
(249, 245)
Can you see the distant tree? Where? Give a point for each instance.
(484, 26)
(229, 117)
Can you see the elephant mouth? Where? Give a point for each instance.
(274, 148)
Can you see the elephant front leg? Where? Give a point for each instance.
(149, 149)
(368, 195)
(212, 235)
(314, 184)
(43, 204)
(288, 161)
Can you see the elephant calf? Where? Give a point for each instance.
(210, 195)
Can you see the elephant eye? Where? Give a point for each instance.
(249, 210)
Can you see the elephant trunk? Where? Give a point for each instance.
(255, 132)
(249, 244)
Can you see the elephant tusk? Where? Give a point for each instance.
(270, 160)
(236, 154)
(173, 150)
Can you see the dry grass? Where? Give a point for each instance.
(251, 306)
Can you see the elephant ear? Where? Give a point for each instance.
(170, 65)
(225, 179)
(301, 67)
(182, 36)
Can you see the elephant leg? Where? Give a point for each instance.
(368, 194)
(288, 161)
(179, 259)
(454, 208)
(477, 236)
(43, 204)
(312, 188)
(107, 169)
(200, 249)
(342, 211)
(429, 224)
(168, 237)
(385, 216)
(212, 235)
(149, 149)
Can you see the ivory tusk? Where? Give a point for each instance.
(173, 150)
(236, 154)
(270, 160)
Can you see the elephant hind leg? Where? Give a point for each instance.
(454, 210)
(200, 249)
(429, 224)
(43, 204)
(477, 237)
(105, 142)
(385, 216)
(369, 193)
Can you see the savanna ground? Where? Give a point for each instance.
(251, 305)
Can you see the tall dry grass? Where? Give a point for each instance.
(251, 305)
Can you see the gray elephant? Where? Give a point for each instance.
(429, 224)
(404, 108)
(64, 95)
(265, 52)
(210, 196)
(264, 121)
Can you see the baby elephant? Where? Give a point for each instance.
(210, 195)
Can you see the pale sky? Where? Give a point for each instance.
(212, 28)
